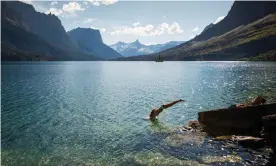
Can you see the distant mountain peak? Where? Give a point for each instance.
(137, 42)
(137, 48)
(119, 42)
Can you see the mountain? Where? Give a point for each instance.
(90, 41)
(207, 27)
(170, 44)
(131, 49)
(241, 13)
(248, 30)
(253, 39)
(136, 48)
(48, 26)
(30, 35)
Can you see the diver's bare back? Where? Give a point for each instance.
(155, 112)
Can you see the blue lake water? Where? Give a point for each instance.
(92, 113)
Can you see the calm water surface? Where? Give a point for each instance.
(92, 113)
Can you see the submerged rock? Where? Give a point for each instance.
(245, 141)
(192, 125)
(158, 159)
(221, 159)
(190, 138)
(224, 137)
(249, 142)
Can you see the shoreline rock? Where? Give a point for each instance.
(245, 141)
(252, 127)
(235, 121)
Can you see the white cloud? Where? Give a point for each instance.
(137, 31)
(53, 3)
(108, 2)
(27, 1)
(192, 36)
(71, 7)
(156, 32)
(102, 2)
(219, 19)
(163, 26)
(148, 30)
(54, 11)
(136, 24)
(89, 20)
(174, 28)
(195, 29)
(102, 30)
(68, 9)
(85, 2)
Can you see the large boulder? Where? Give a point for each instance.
(235, 121)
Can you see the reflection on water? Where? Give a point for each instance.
(89, 113)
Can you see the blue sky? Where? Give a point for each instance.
(149, 21)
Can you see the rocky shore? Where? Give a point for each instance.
(252, 127)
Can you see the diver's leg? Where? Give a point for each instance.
(171, 104)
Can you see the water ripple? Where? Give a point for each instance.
(92, 113)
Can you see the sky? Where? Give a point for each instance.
(152, 22)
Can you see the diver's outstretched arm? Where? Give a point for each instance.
(172, 103)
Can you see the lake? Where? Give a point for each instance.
(93, 113)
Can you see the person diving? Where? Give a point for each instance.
(156, 111)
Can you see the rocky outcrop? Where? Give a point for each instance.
(235, 121)
(90, 41)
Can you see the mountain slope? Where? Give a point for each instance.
(170, 44)
(48, 27)
(207, 27)
(90, 41)
(18, 43)
(234, 37)
(136, 48)
(241, 13)
(244, 41)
